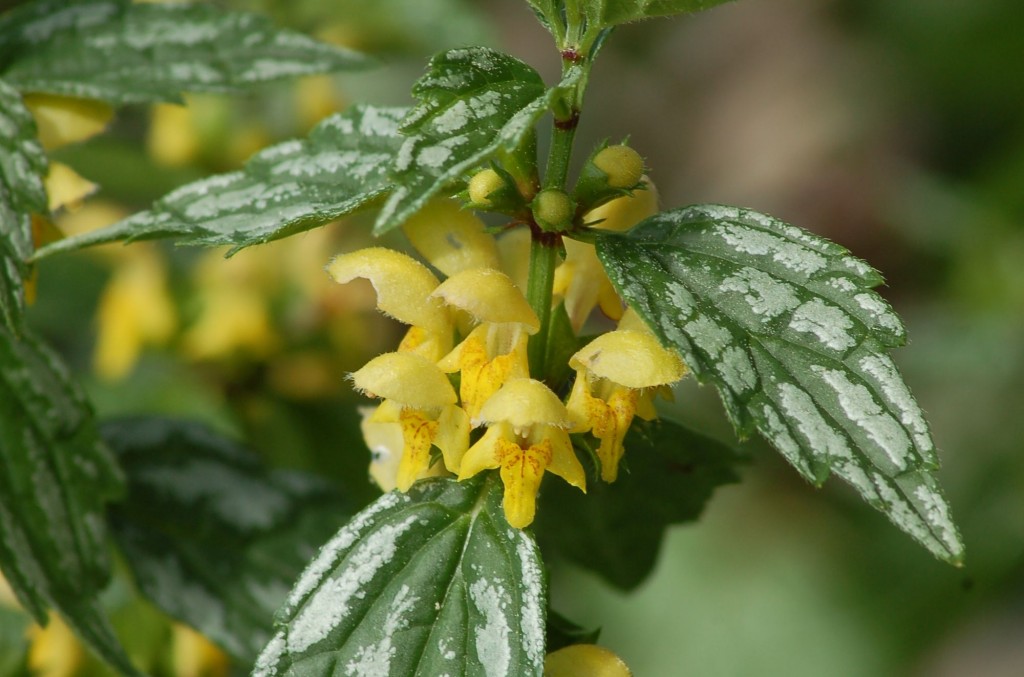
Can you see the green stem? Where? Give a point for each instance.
(543, 261)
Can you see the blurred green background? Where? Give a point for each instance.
(893, 128)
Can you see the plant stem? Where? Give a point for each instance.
(545, 246)
(543, 261)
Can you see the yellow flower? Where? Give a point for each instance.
(495, 350)
(420, 399)
(617, 375)
(580, 280)
(452, 239)
(62, 120)
(54, 650)
(135, 310)
(235, 316)
(584, 660)
(526, 436)
(404, 287)
(196, 656)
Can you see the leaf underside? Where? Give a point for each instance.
(786, 326)
(429, 583)
(123, 52)
(286, 189)
(615, 530)
(473, 102)
(212, 537)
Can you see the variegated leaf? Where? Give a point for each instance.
(787, 327)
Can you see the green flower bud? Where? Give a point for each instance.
(553, 209)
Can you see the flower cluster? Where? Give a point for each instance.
(460, 380)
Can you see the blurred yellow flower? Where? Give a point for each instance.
(135, 310)
(580, 280)
(63, 120)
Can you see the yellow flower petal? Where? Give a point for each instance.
(521, 472)
(384, 440)
(407, 378)
(135, 309)
(608, 419)
(418, 434)
(524, 402)
(488, 295)
(584, 660)
(54, 651)
(631, 358)
(484, 368)
(172, 139)
(483, 455)
(514, 252)
(453, 436)
(452, 239)
(62, 119)
(582, 283)
(65, 187)
(563, 459)
(625, 212)
(196, 656)
(403, 285)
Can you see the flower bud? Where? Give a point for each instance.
(621, 164)
(611, 172)
(553, 210)
(483, 184)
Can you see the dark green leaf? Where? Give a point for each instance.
(213, 538)
(613, 12)
(285, 189)
(474, 102)
(562, 632)
(123, 52)
(615, 530)
(55, 477)
(430, 583)
(786, 326)
(22, 169)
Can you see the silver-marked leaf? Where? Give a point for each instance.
(214, 538)
(283, 190)
(786, 326)
(55, 478)
(474, 101)
(431, 583)
(22, 168)
(613, 12)
(124, 52)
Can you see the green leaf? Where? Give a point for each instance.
(786, 326)
(615, 530)
(213, 538)
(122, 52)
(22, 169)
(549, 13)
(55, 477)
(430, 583)
(474, 102)
(283, 190)
(607, 13)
